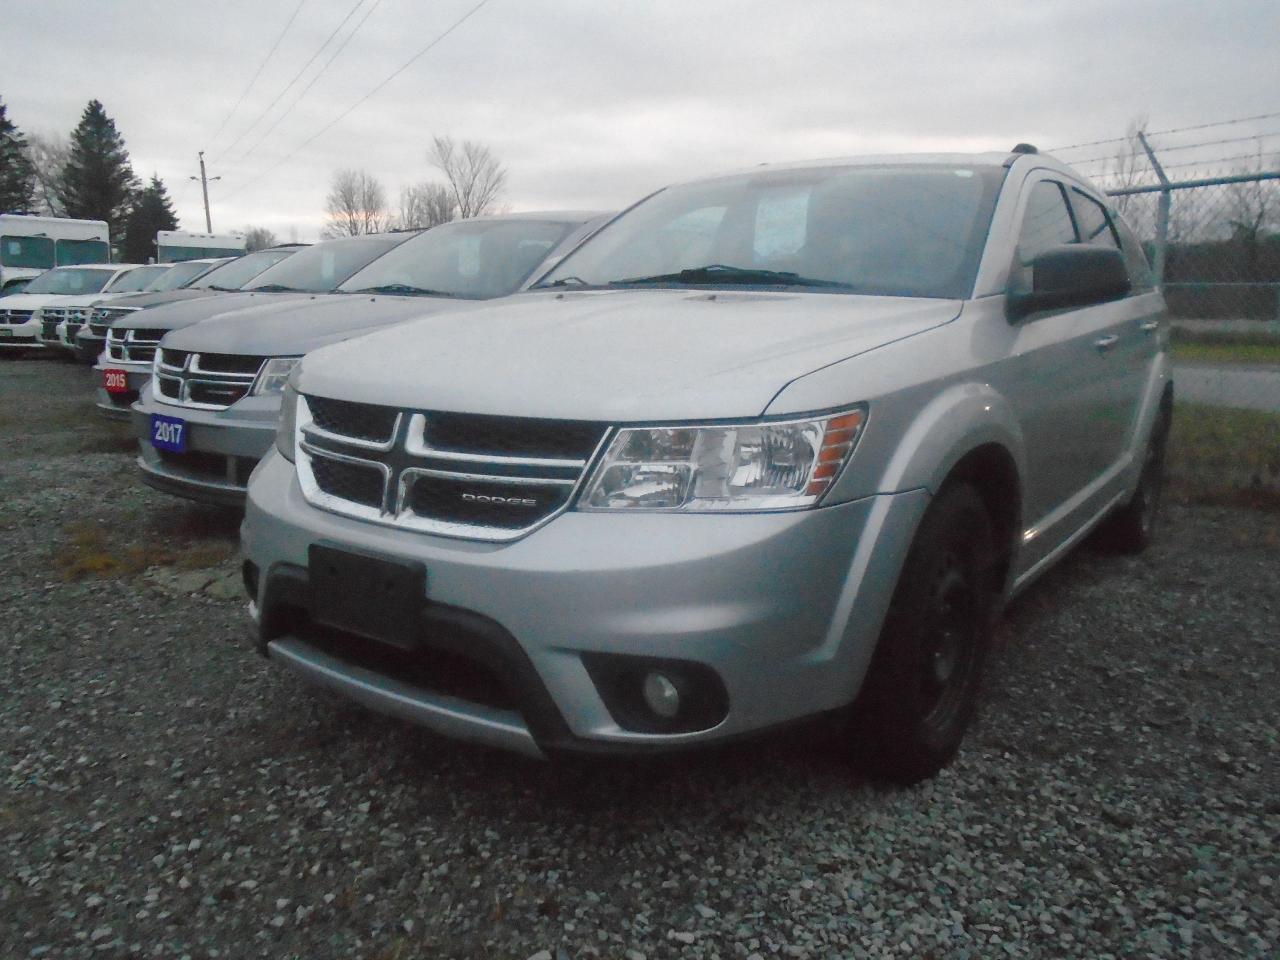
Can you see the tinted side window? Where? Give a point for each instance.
(1046, 223)
(1095, 225)
(1140, 275)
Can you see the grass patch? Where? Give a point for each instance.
(1225, 347)
(1225, 457)
(90, 551)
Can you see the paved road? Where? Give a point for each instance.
(1252, 386)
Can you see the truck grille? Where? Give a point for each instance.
(102, 317)
(207, 381)
(15, 316)
(460, 475)
(133, 346)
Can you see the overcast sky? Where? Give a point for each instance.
(593, 103)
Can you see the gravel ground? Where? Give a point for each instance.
(167, 793)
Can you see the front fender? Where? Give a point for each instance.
(957, 421)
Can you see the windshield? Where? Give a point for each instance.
(26, 252)
(136, 280)
(68, 281)
(904, 231)
(472, 259)
(180, 274)
(321, 268)
(82, 251)
(234, 275)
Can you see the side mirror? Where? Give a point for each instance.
(1075, 275)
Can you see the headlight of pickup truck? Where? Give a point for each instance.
(287, 428)
(273, 375)
(759, 465)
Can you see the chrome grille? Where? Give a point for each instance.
(15, 316)
(206, 381)
(102, 317)
(459, 475)
(133, 346)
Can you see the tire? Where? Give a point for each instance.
(921, 688)
(1131, 528)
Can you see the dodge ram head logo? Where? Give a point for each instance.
(507, 501)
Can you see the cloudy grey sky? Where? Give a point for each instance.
(592, 103)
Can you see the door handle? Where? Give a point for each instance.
(1106, 343)
(1149, 326)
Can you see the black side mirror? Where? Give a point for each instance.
(1075, 275)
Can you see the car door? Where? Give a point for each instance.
(1060, 378)
(1132, 342)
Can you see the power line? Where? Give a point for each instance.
(257, 73)
(311, 83)
(347, 112)
(288, 86)
(1161, 133)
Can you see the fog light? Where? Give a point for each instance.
(661, 695)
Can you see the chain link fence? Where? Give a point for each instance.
(1214, 244)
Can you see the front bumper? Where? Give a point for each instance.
(21, 336)
(88, 346)
(117, 405)
(222, 447)
(783, 608)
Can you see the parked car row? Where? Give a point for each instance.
(765, 447)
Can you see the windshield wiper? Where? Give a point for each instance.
(214, 286)
(403, 289)
(275, 288)
(723, 273)
(563, 282)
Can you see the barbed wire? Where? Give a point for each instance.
(1173, 130)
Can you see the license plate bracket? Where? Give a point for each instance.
(168, 433)
(376, 597)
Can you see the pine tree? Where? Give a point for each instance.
(17, 175)
(152, 212)
(98, 181)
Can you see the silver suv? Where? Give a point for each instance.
(770, 445)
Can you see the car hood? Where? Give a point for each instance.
(141, 301)
(294, 327)
(28, 301)
(183, 313)
(78, 300)
(621, 356)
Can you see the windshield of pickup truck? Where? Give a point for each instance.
(69, 281)
(137, 280)
(320, 268)
(894, 230)
(234, 275)
(468, 259)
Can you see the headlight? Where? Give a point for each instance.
(273, 375)
(287, 429)
(760, 465)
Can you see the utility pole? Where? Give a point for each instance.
(204, 186)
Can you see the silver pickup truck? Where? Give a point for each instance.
(770, 445)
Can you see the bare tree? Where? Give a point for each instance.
(258, 238)
(1253, 207)
(1128, 167)
(424, 205)
(474, 175)
(49, 153)
(356, 205)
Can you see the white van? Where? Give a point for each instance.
(31, 245)
(175, 245)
